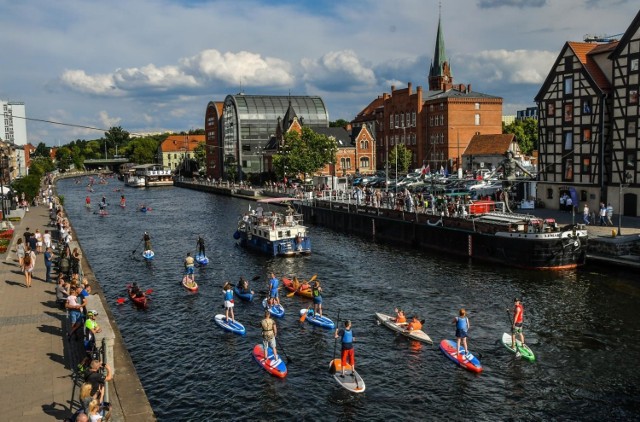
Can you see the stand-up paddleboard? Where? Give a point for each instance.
(148, 255)
(246, 296)
(231, 326)
(275, 367)
(189, 284)
(201, 259)
(468, 362)
(352, 381)
(417, 335)
(275, 310)
(520, 350)
(320, 321)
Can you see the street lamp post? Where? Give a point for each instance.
(458, 168)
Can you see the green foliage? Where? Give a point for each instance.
(526, 132)
(41, 165)
(304, 153)
(61, 199)
(404, 158)
(116, 136)
(41, 150)
(29, 184)
(142, 150)
(63, 158)
(200, 154)
(339, 123)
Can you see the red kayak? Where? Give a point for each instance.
(139, 301)
(302, 289)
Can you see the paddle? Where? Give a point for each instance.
(332, 367)
(285, 353)
(134, 251)
(304, 316)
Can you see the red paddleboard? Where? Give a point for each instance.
(468, 362)
(189, 284)
(275, 367)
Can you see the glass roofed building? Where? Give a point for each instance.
(249, 123)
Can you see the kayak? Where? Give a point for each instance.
(417, 335)
(275, 310)
(520, 350)
(468, 362)
(189, 284)
(201, 259)
(148, 254)
(351, 381)
(231, 326)
(140, 302)
(248, 297)
(275, 367)
(290, 285)
(320, 321)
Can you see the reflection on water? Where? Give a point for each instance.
(582, 325)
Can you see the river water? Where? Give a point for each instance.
(582, 324)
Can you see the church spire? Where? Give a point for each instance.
(440, 73)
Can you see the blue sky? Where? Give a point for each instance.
(153, 65)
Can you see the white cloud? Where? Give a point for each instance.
(108, 121)
(100, 84)
(516, 67)
(337, 70)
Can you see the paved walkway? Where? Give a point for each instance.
(36, 382)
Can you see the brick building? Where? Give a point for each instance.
(435, 125)
(212, 125)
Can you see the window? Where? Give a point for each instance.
(586, 134)
(568, 141)
(441, 106)
(633, 96)
(391, 120)
(441, 120)
(364, 162)
(408, 118)
(568, 169)
(366, 144)
(568, 63)
(393, 138)
(586, 106)
(586, 165)
(550, 137)
(361, 144)
(633, 65)
(568, 86)
(397, 120)
(477, 106)
(431, 107)
(477, 119)
(430, 120)
(401, 120)
(631, 127)
(413, 139)
(568, 113)
(413, 119)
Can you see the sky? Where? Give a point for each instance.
(153, 65)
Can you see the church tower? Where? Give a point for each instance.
(440, 78)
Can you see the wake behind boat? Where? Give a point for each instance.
(274, 233)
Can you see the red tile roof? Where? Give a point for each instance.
(584, 52)
(490, 144)
(181, 142)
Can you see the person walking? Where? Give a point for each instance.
(347, 353)
(29, 265)
(39, 242)
(602, 213)
(585, 214)
(516, 326)
(20, 252)
(462, 327)
(609, 214)
(269, 333)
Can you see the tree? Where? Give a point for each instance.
(404, 158)
(304, 153)
(200, 154)
(526, 132)
(63, 158)
(116, 136)
(339, 123)
(41, 150)
(141, 150)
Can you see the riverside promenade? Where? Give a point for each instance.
(36, 378)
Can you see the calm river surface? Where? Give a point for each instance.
(582, 325)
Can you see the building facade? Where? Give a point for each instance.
(175, 151)
(13, 125)
(435, 125)
(588, 118)
(249, 124)
(212, 127)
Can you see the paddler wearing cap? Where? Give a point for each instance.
(518, 318)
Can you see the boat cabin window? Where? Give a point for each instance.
(279, 234)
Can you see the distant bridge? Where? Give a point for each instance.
(112, 164)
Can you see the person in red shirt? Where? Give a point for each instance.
(516, 328)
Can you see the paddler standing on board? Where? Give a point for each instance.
(147, 242)
(269, 332)
(516, 326)
(123, 202)
(189, 266)
(462, 326)
(347, 346)
(228, 301)
(273, 290)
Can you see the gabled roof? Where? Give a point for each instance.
(583, 52)
(454, 93)
(631, 30)
(369, 112)
(340, 134)
(181, 142)
(490, 144)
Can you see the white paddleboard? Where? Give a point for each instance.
(351, 381)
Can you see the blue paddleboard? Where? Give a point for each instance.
(275, 310)
(231, 326)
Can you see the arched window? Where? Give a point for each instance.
(364, 162)
(366, 144)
